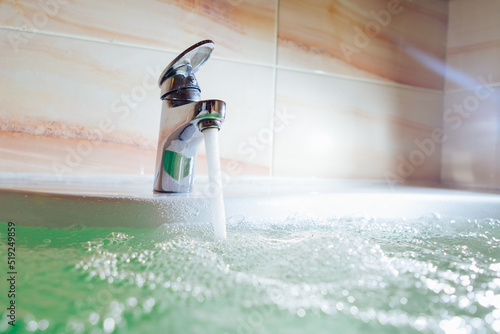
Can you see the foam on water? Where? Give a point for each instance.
(292, 276)
(214, 176)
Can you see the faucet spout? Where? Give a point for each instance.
(183, 118)
(180, 135)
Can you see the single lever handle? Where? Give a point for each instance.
(189, 61)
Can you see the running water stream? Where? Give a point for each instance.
(214, 177)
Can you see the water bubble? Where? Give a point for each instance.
(132, 301)
(109, 325)
(420, 323)
(463, 302)
(43, 324)
(31, 326)
(382, 318)
(453, 325)
(495, 325)
(94, 318)
(75, 327)
(148, 305)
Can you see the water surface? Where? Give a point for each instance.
(341, 275)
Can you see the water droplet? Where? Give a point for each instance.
(94, 318)
(109, 325)
(132, 301)
(43, 324)
(31, 326)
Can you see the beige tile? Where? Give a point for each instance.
(29, 153)
(473, 22)
(248, 90)
(244, 30)
(73, 90)
(64, 95)
(77, 89)
(470, 151)
(467, 65)
(473, 43)
(349, 128)
(318, 35)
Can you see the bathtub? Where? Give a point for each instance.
(106, 255)
(119, 201)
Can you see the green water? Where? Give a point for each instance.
(350, 275)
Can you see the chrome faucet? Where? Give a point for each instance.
(184, 116)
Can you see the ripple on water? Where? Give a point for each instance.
(353, 274)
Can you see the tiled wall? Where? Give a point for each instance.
(78, 80)
(471, 118)
(338, 88)
(349, 71)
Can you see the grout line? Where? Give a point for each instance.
(497, 158)
(273, 66)
(275, 84)
(441, 156)
(126, 44)
(365, 80)
(462, 90)
(243, 62)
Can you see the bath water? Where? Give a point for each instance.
(215, 182)
(296, 275)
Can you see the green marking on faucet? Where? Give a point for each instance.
(214, 115)
(177, 165)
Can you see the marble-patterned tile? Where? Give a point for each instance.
(332, 127)
(78, 89)
(96, 97)
(245, 138)
(22, 152)
(471, 124)
(468, 67)
(388, 40)
(473, 43)
(75, 106)
(473, 22)
(244, 30)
